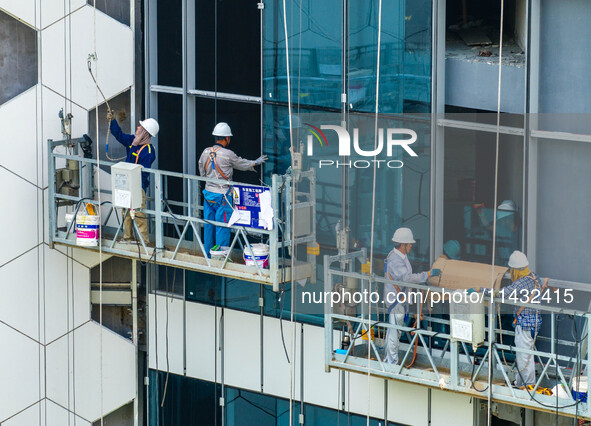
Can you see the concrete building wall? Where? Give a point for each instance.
(50, 363)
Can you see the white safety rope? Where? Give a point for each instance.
(100, 236)
(291, 236)
(373, 206)
(491, 315)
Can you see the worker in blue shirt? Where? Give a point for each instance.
(139, 151)
(527, 321)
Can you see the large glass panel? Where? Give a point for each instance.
(170, 152)
(170, 43)
(244, 120)
(239, 47)
(205, 44)
(562, 206)
(178, 400)
(402, 189)
(469, 184)
(405, 56)
(472, 55)
(315, 38)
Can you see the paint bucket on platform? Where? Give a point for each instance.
(260, 255)
(87, 230)
(220, 253)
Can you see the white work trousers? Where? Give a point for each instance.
(525, 362)
(393, 336)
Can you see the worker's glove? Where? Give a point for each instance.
(434, 272)
(260, 160)
(110, 115)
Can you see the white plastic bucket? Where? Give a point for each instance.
(87, 230)
(69, 218)
(261, 255)
(219, 254)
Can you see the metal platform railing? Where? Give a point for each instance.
(453, 364)
(176, 224)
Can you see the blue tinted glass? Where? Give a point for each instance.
(405, 56)
(203, 288)
(187, 401)
(315, 37)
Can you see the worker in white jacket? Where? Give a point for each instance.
(398, 269)
(219, 162)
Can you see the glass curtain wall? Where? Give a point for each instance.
(227, 61)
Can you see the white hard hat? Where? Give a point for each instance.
(508, 206)
(222, 129)
(518, 260)
(403, 236)
(151, 126)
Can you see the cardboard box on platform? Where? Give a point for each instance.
(458, 274)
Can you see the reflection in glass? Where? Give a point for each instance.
(405, 56)
(314, 38)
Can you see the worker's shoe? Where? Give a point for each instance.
(127, 241)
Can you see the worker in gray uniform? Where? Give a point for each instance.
(219, 162)
(398, 269)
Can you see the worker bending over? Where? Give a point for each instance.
(139, 151)
(219, 162)
(398, 269)
(527, 321)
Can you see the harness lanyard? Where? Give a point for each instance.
(531, 297)
(212, 156)
(393, 305)
(137, 154)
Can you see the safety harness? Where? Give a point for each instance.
(213, 162)
(536, 286)
(137, 154)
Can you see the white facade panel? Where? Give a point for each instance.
(407, 403)
(18, 150)
(18, 217)
(278, 372)
(364, 394)
(201, 342)
(118, 372)
(22, 9)
(174, 351)
(56, 294)
(20, 375)
(448, 405)
(114, 75)
(242, 352)
(19, 294)
(58, 416)
(54, 10)
(320, 387)
(30, 416)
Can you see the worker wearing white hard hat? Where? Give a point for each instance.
(525, 287)
(398, 268)
(139, 151)
(218, 162)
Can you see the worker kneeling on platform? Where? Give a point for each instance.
(219, 162)
(139, 151)
(398, 269)
(527, 321)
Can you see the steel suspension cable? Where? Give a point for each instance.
(98, 169)
(491, 317)
(373, 207)
(291, 218)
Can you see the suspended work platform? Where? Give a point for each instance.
(432, 354)
(176, 224)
